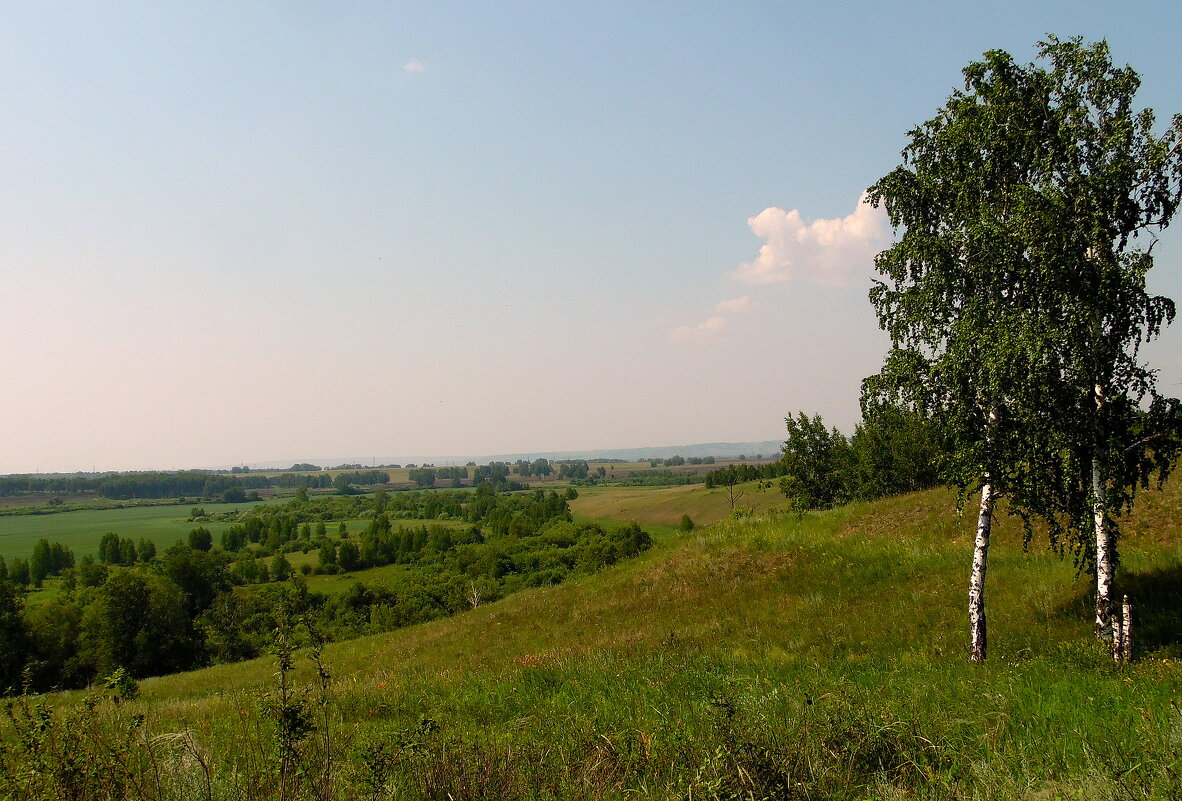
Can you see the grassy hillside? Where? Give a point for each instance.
(772, 656)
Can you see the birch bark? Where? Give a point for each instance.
(978, 640)
(1126, 631)
(1105, 566)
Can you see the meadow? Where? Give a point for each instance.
(771, 655)
(664, 506)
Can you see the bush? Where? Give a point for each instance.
(200, 539)
(234, 495)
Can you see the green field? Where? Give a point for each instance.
(772, 656)
(81, 530)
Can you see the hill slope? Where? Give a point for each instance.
(771, 656)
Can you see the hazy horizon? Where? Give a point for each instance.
(231, 232)
(764, 448)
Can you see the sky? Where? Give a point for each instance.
(233, 233)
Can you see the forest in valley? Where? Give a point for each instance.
(198, 602)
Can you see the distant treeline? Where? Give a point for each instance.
(180, 484)
(679, 460)
(323, 480)
(658, 478)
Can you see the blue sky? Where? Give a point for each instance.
(243, 232)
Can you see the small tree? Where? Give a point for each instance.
(91, 573)
(200, 539)
(233, 495)
(40, 564)
(127, 551)
(145, 550)
(816, 461)
(729, 478)
(327, 557)
(14, 636)
(108, 548)
(894, 450)
(348, 556)
(18, 572)
(423, 476)
(281, 569)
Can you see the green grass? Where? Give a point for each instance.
(665, 505)
(335, 584)
(775, 656)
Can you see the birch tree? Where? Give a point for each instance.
(1109, 183)
(956, 288)
(1015, 297)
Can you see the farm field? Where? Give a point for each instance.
(81, 530)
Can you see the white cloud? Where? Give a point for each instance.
(735, 305)
(414, 67)
(835, 252)
(702, 330)
(714, 324)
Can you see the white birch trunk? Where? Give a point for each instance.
(977, 629)
(1126, 631)
(1105, 564)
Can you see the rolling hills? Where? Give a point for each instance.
(769, 655)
